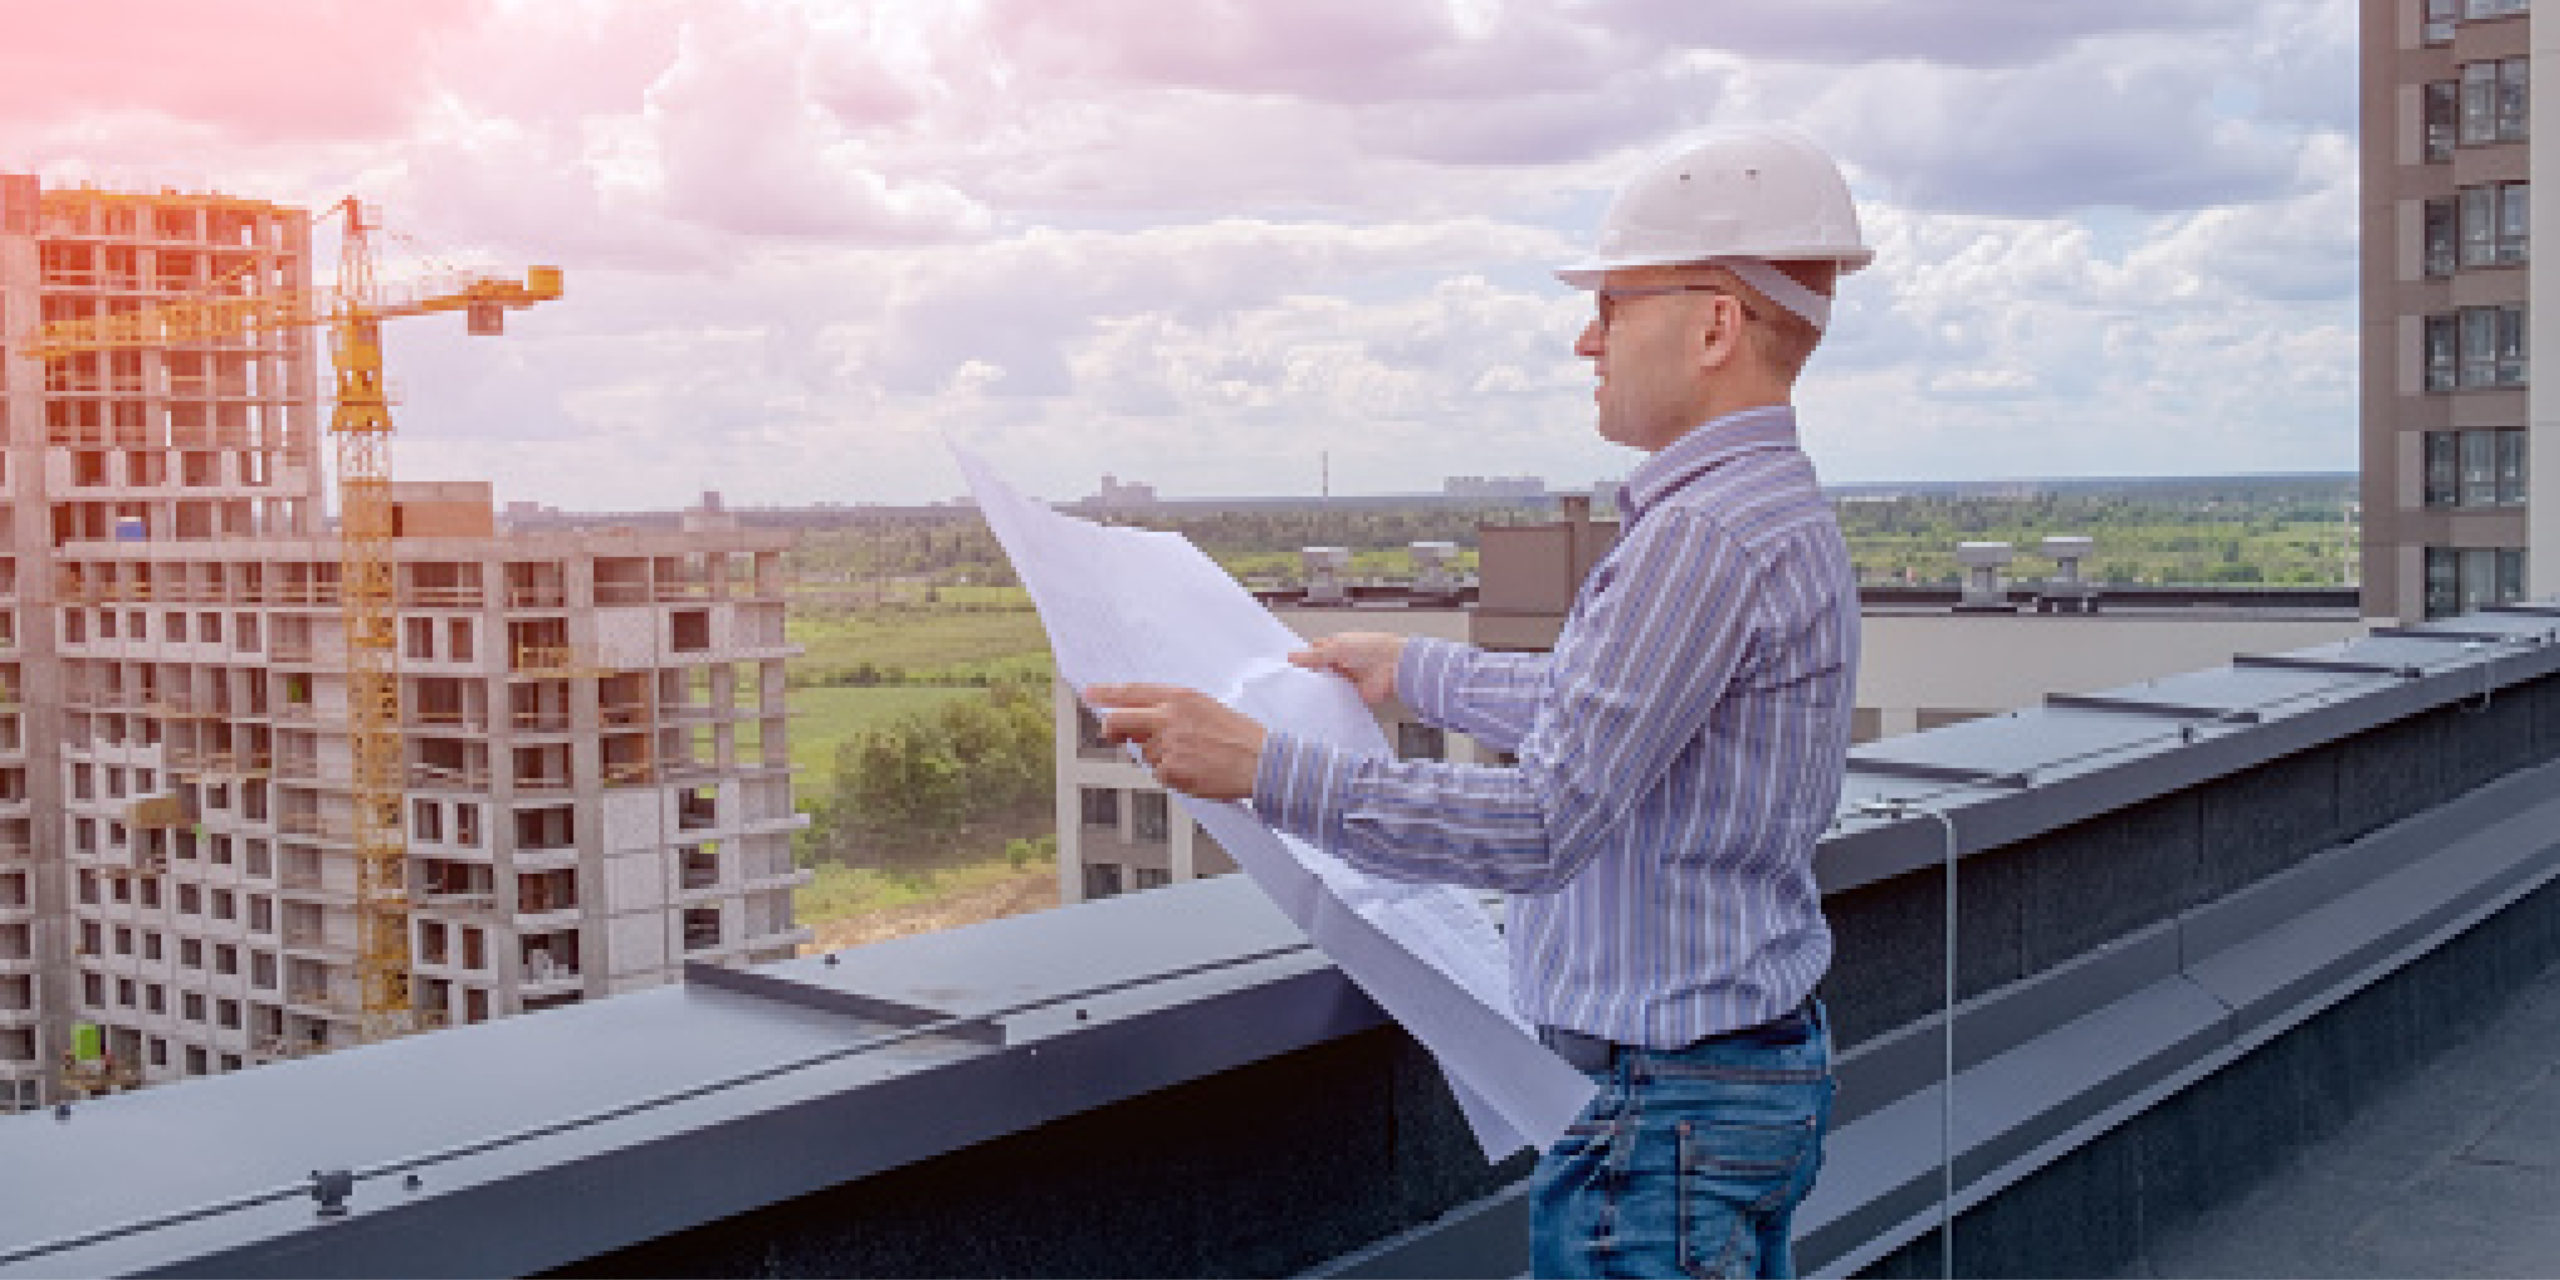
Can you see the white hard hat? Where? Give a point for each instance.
(1738, 198)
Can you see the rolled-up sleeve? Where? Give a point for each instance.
(1630, 688)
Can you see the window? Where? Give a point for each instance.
(1148, 816)
(2496, 225)
(1101, 806)
(1101, 880)
(1089, 733)
(2441, 111)
(2439, 243)
(2490, 348)
(2494, 100)
(2479, 469)
(2478, 8)
(1153, 878)
(2475, 468)
(2439, 22)
(2444, 468)
(2465, 579)
(2441, 370)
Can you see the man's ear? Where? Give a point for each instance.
(1720, 342)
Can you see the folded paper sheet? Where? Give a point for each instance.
(1127, 605)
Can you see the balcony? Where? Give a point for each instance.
(313, 944)
(779, 880)
(447, 722)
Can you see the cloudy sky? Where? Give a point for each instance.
(1207, 243)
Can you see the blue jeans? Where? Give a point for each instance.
(1689, 1161)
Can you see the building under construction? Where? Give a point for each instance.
(589, 781)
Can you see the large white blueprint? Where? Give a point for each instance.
(1124, 605)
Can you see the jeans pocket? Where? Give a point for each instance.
(1733, 1177)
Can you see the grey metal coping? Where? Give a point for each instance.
(2049, 1062)
(550, 1137)
(680, 1104)
(2002, 779)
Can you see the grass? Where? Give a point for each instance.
(840, 891)
(821, 719)
(941, 642)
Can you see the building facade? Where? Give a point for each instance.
(598, 786)
(2448, 404)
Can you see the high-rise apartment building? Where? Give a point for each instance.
(597, 776)
(2450, 411)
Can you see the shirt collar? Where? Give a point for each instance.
(1705, 446)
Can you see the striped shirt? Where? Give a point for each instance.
(1679, 754)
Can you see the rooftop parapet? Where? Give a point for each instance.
(2193, 915)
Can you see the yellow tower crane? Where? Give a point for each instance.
(360, 422)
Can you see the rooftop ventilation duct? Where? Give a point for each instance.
(1432, 571)
(2067, 591)
(1983, 590)
(1328, 580)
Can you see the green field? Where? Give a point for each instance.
(839, 891)
(821, 719)
(926, 644)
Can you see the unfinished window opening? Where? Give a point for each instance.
(547, 891)
(690, 630)
(426, 821)
(550, 957)
(701, 928)
(540, 706)
(550, 827)
(543, 768)
(698, 866)
(698, 808)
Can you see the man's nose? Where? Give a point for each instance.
(1593, 338)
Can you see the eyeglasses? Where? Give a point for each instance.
(1607, 299)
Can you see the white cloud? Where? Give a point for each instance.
(805, 239)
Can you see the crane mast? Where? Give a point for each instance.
(361, 426)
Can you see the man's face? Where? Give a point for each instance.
(1650, 352)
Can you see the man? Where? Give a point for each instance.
(1680, 750)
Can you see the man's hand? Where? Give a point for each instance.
(1193, 742)
(1366, 658)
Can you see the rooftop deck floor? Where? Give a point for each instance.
(2455, 1172)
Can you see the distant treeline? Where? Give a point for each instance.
(2282, 528)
